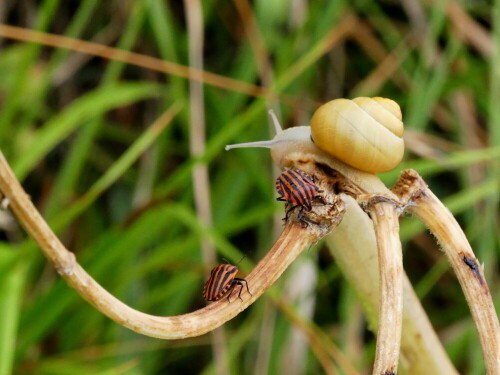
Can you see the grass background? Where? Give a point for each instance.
(84, 133)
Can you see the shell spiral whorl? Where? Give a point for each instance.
(365, 133)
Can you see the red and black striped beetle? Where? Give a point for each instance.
(222, 279)
(297, 188)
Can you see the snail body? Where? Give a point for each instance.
(358, 138)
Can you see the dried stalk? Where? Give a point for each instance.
(390, 260)
(200, 174)
(288, 246)
(143, 61)
(325, 351)
(382, 205)
(354, 247)
(428, 208)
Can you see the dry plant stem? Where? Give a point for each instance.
(201, 181)
(256, 40)
(313, 337)
(27, 35)
(340, 32)
(288, 246)
(354, 247)
(428, 208)
(390, 260)
(469, 30)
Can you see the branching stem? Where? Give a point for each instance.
(354, 246)
(288, 246)
(428, 208)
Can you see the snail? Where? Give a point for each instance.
(356, 137)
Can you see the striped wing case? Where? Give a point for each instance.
(221, 279)
(296, 188)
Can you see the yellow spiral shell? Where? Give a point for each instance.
(365, 133)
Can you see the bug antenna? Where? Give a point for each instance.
(228, 262)
(243, 257)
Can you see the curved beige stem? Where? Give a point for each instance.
(390, 259)
(427, 207)
(288, 246)
(354, 246)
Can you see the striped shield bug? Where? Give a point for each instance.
(222, 279)
(297, 188)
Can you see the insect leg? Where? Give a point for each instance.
(303, 220)
(231, 292)
(288, 210)
(238, 281)
(241, 281)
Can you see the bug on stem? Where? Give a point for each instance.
(297, 188)
(222, 279)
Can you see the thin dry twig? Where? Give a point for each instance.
(427, 207)
(288, 246)
(256, 40)
(325, 350)
(469, 30)
(264, 69)
(390, 259)
(382, 205)
(337, 34)
(148, 62)
(314, 340)
(354, 246)
(201, 180)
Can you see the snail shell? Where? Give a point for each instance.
(365, 133)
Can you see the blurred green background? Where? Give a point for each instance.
(77, 127)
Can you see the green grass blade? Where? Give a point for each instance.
(118, 168)
(13, 271)
(76, 114)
